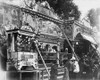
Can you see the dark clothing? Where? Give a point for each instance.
(3, 57)
(69, 66)
(66, 74)
(53, 72)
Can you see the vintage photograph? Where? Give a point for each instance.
(49, 40)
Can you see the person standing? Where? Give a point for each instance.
(54, 72)
(66, 72)
(75, 68)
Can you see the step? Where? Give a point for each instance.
(58, 78)
(42, 66)
(60, 74)
(46, 75)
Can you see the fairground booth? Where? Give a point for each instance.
(85, 46)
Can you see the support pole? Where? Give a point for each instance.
(58, 54)
(69, 42)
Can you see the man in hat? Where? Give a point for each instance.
(75, 67)
(66, 71)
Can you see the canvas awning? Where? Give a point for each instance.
(89, 38)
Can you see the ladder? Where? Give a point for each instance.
(44, 75)
(43, 60)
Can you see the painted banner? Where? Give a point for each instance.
(9, 16)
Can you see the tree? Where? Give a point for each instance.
(64, 8)
(93, 16)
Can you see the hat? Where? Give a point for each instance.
(73, 58)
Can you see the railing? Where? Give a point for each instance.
(42, 74)
(59, 74)
(43, 61)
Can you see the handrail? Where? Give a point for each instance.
(43, 60)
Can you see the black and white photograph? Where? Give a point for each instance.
(49, 39)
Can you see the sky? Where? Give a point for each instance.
(85, 5)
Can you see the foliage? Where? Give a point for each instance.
(64, 8)
(93, 17)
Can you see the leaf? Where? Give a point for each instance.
(64, 8)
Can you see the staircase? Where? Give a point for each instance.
(44, 75)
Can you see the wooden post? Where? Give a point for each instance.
(58, 54)
(42, 75)
(20, 76)
(13, 45)
(43, 60)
